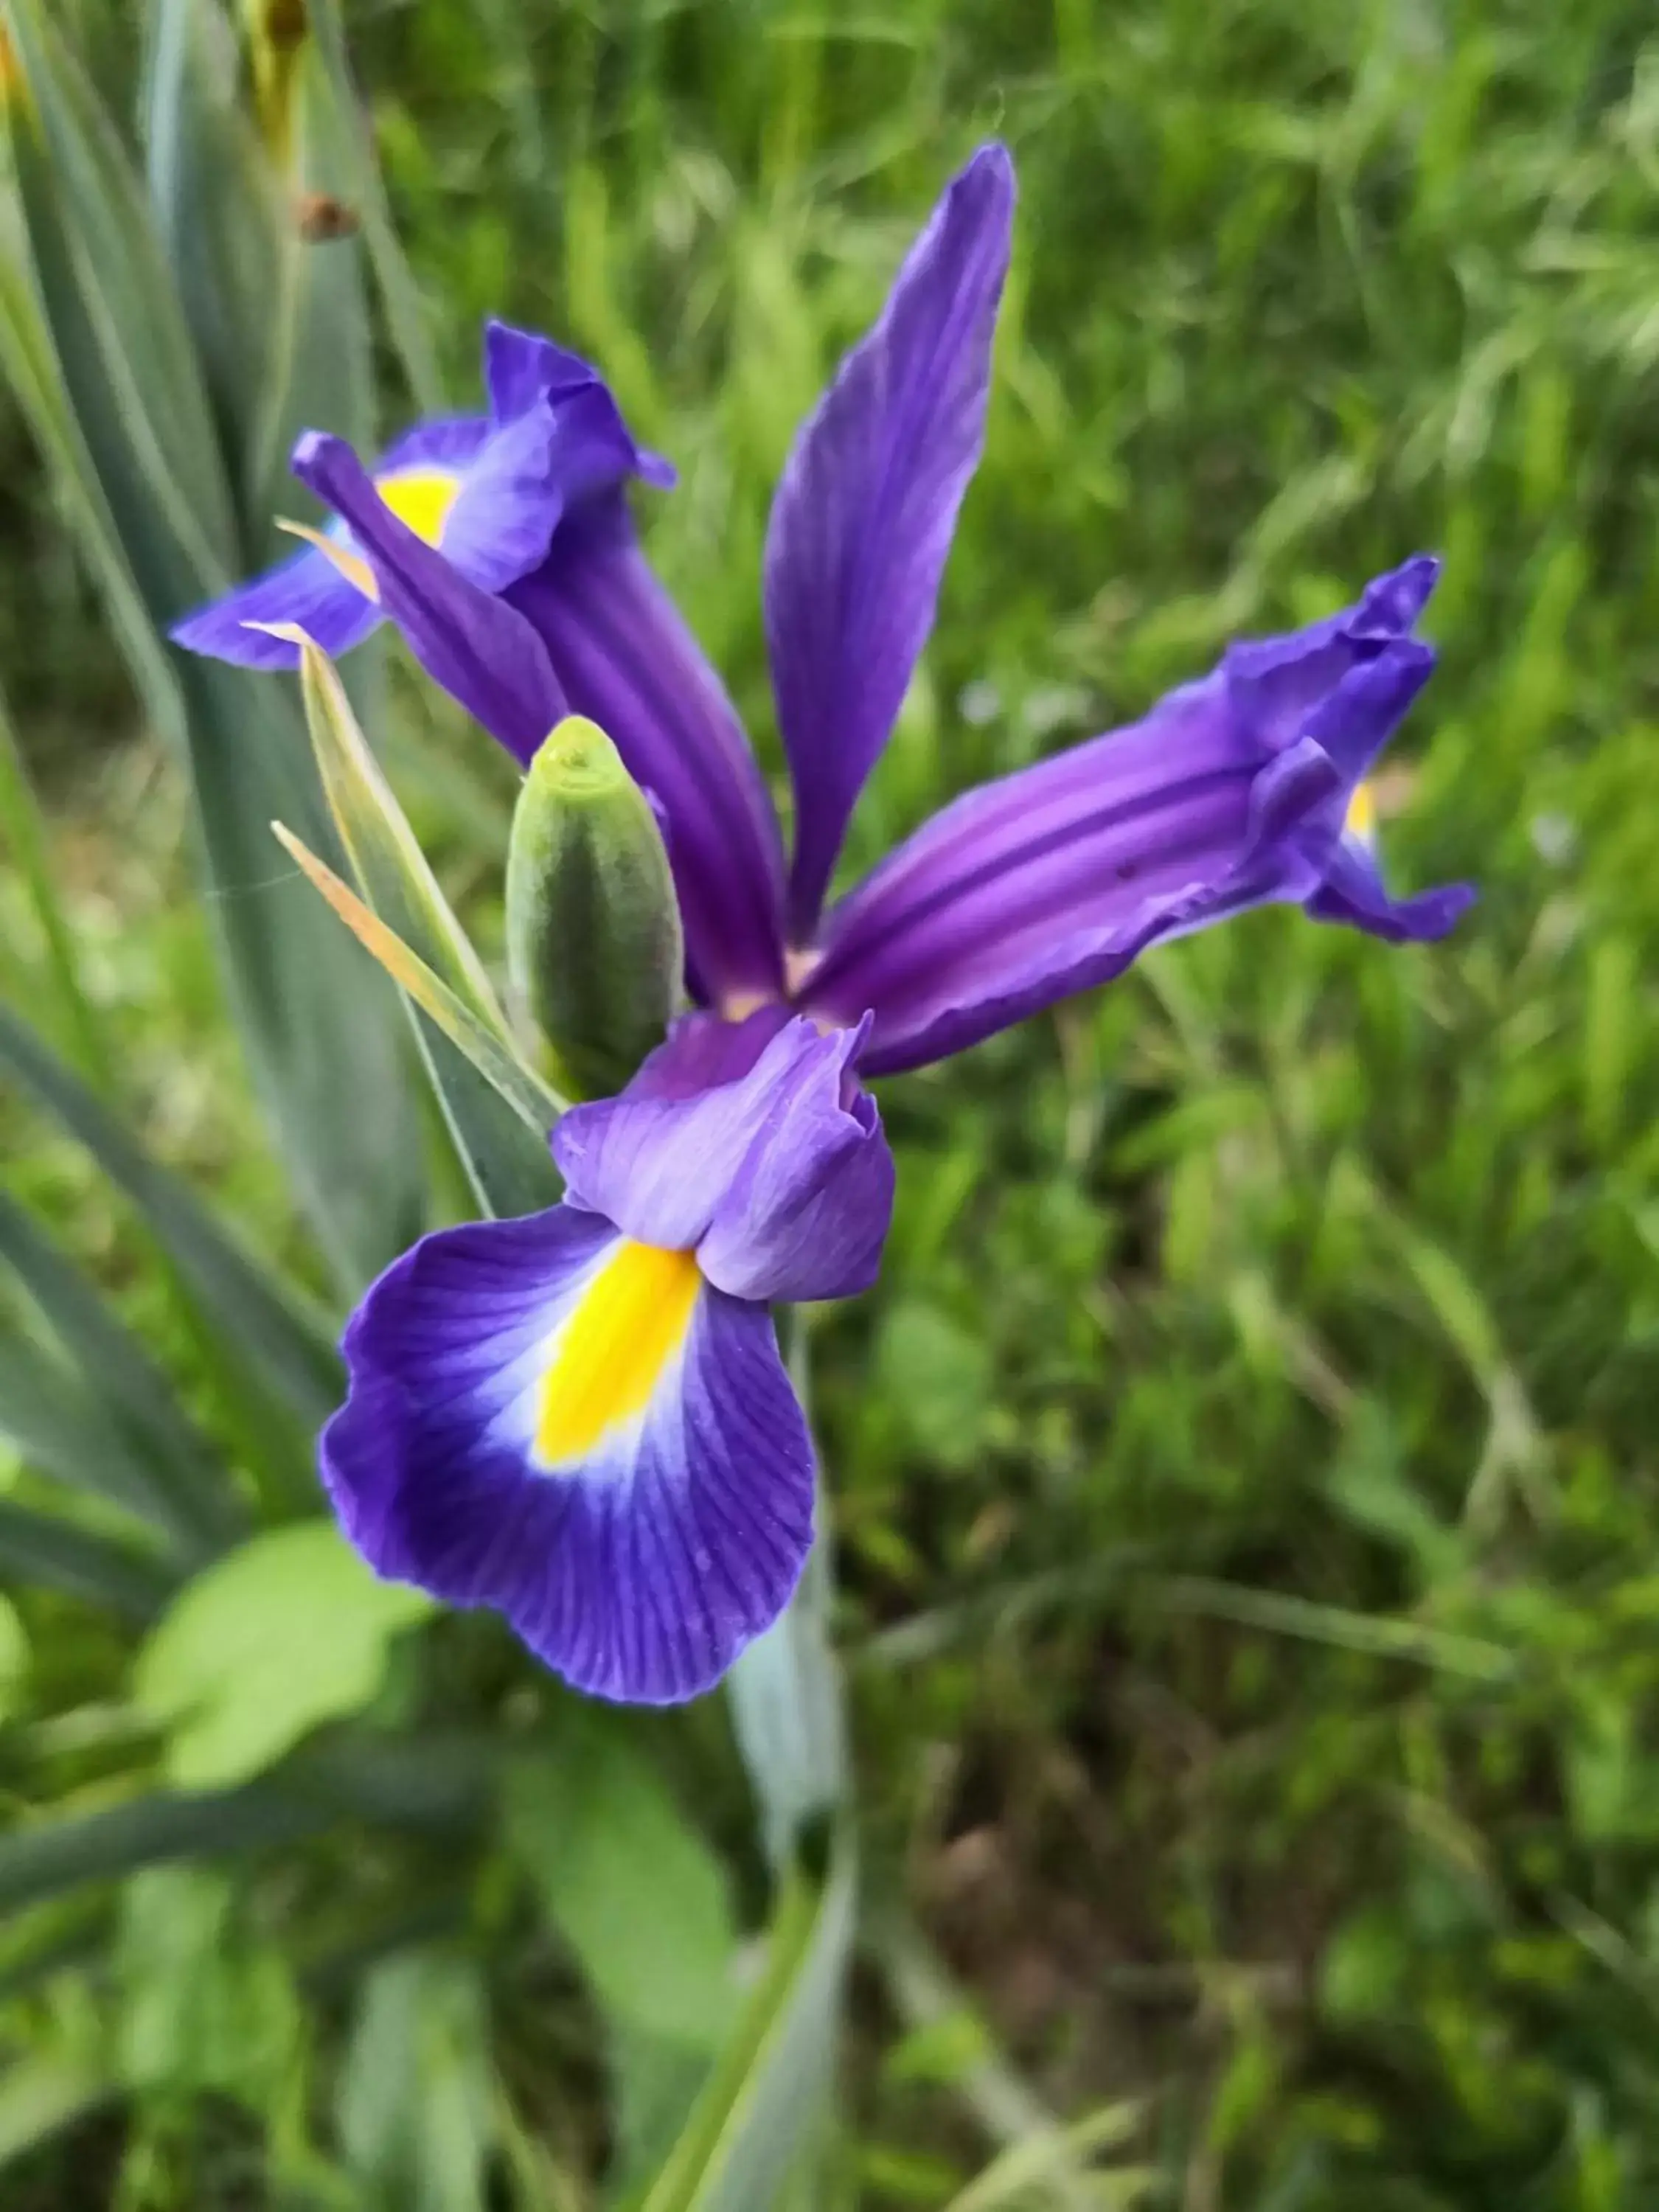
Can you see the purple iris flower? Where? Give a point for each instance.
(581, 1418)
(487, 489)
(1233, 791)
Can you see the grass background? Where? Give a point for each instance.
(1245, 1474)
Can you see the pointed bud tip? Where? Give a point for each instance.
(578, 761)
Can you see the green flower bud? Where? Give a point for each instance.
(593, 942)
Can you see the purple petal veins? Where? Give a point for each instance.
(867, 508)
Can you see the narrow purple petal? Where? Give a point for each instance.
(469, 641)
(624, 658)
(306, 591)
(781, 1180)
(1231, 793)
(867, 508)
(640, 1571)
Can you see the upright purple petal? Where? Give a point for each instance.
(781, 1180)
(469, 641)
(1231, 793)
(523, 371)
(623, 656)
(866, 511)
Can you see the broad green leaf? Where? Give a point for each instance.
(487, 1049)
(508, 1165)
(282, 1341)
(92, 317)
(117, 1375)
(40, 1547)
(416, 2098)
(287, 1631)
(630, 1885)
(764, 2105)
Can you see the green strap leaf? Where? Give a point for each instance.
(438, 1786)
(510, 1166)
(405, 312)
(101, 358)
(48, 1416)
(25, 835)
(285, 1344)
(767, 2095)
(59, 1856)
(116, 1373)
(785, 1693)
(132, 371)
(40, 1547)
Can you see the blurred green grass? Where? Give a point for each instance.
(1244, 1475)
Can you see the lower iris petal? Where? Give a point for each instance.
(579, 1432)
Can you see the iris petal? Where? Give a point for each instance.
(638, 1566)
(867, 507)
(1230, 793)
(307, 591)
(469, 641)
(781, 1178)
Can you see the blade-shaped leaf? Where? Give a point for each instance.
(50, 1419)
(285, 1344)
(405, 313)
(320, 373)
(487, 1048)
(510, 1166)
(785, 1695)
(130, 367)
(767, 2095)
(116, 1372)
(416, 2095)
(39, 1548)
(80, 325)
(24, 835)
(634, 1888)
(58, 1855)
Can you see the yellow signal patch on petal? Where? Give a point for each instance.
(422, 498)
(608, 1356)
(1361, 818)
